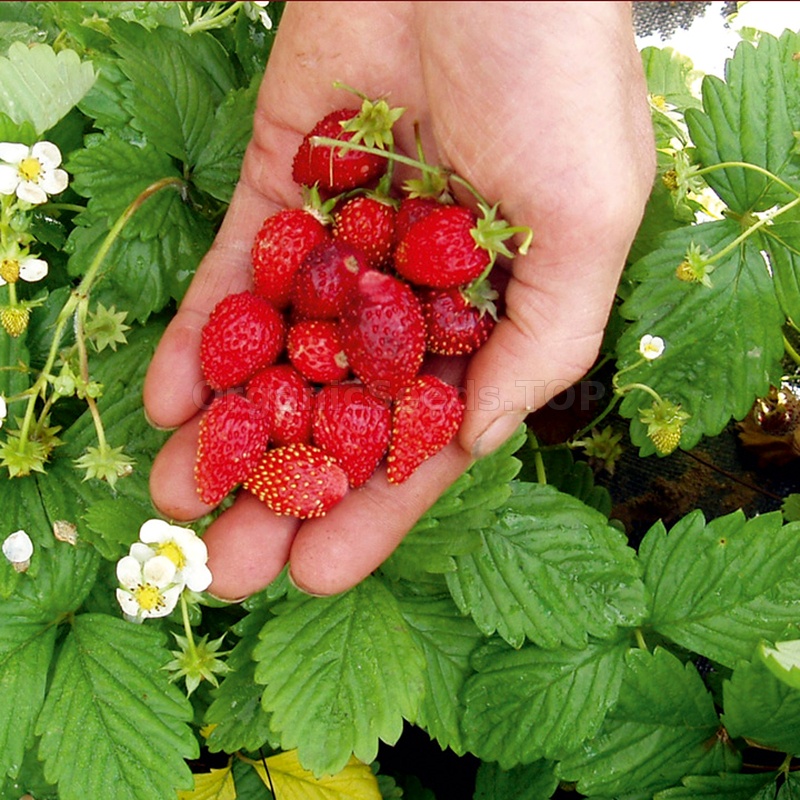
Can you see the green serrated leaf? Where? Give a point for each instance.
(575, 478)
(240, 723)
(747, 118)
(452, 526)
(727, 786)
(112, 172)
(527, 782)
(447, 639)
(551, 570)
(663, 727)
(26, 649)
(762, 708)
(527, 704)
(719, 588)
(112, 724)
(40, 86)
(174, 86)
(781, 242)
(219, 163)
(723, 344)
(670, 76)
(339, 674)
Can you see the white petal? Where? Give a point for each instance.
(31, 193)
(3, 409)
(193, 547)
(170, 596)
(13, 152)
(141, 552)
(9, 179)
(48, 154)
(159, 571)
(32, 269)
(54, 181)
(18, 547)
(155, 531)
(198, 579)
(129, 572)
(128, 604)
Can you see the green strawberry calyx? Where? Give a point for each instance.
(374, 122)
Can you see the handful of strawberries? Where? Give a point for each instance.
(317, 370)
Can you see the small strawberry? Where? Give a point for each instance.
(353, 426)
(368, 224)
(439, 249)
(316, 350)
(384, 333)
(454, 327)
(233, 438)
(337, 169)
(243, 334)
(287, 400)
(298, 480)
(281, 244)
(326, 280)
(411, 210)
(427, 415)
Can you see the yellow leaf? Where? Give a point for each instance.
(355, 782)
(215, 785)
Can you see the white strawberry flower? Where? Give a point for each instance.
(31, 173)
(18, 267)
(3, 410)
(18, 549)
(651, 347)
(181, 546)
(148, 588)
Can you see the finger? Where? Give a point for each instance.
(248, 546)
(333, 553)
(172, 483)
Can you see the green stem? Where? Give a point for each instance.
(791, 352)
(187, 627)
(12, 294)
(83, 290)
(751, 230)
(745, 165)
(83, 361)
(597, 420)
(644, 387)
(211, 21)
(538, 461)
(640, 642)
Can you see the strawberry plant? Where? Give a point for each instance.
(531, 637)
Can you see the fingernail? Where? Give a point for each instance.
(300, 588)
(496, 433)
(157, 427)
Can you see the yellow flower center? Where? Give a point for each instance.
(173, 553)
(30, 169)
(148, 597)
(9, 270)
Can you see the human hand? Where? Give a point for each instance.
(538, 105)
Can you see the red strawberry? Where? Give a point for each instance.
(411, 210)
(284, 240)
(286, 399)
(233, 438)
(353, 426)
(454, 327)
(326, 280)
(368, 224)
(426, 417)
(298, 480)
(316, 350)
(244, 334)
(439, 250)
(335, 170)
(384, 333)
